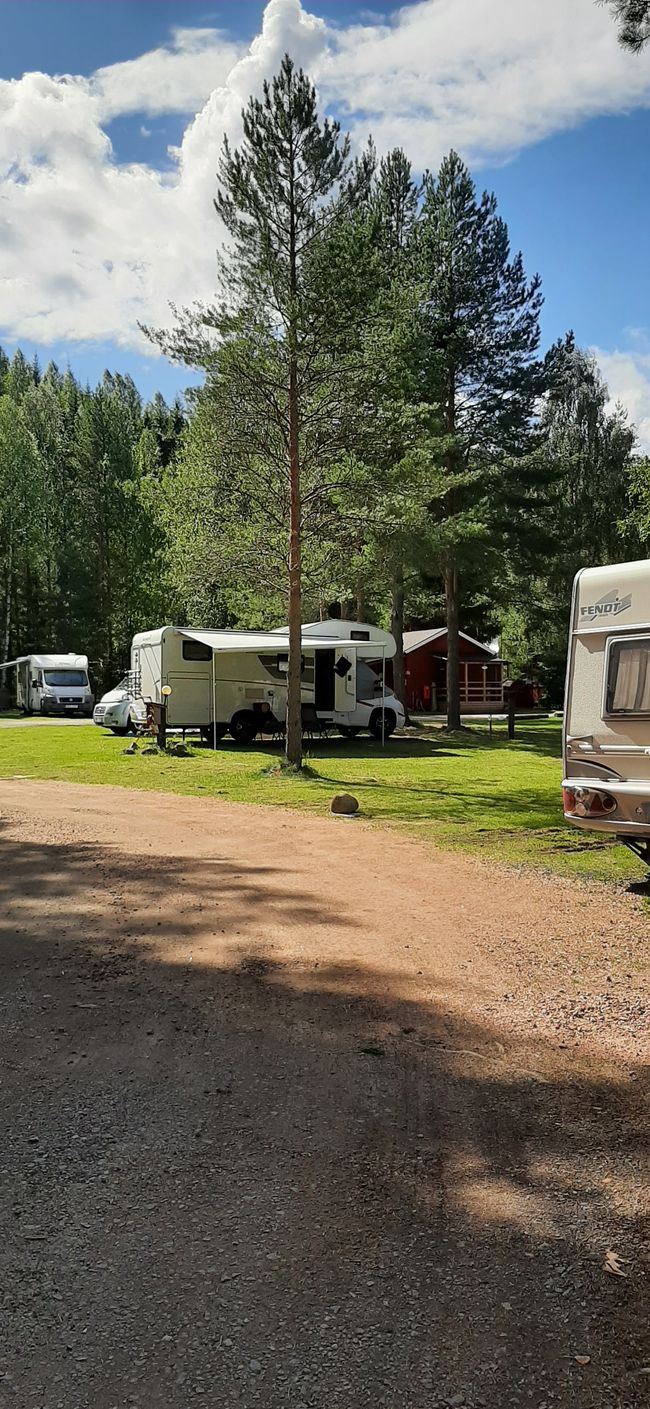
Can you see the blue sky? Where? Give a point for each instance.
(107, 159)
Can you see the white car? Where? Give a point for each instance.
(118, 711)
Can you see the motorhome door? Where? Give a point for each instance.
(190, 702)
(345, 681)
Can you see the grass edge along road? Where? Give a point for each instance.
(467, 792)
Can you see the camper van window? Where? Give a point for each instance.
(628, 676)
(196, 650)
(65, 678)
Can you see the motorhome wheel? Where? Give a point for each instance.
(390, 721)
(122, 729)
(350, 731)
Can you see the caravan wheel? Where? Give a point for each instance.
(244, 727)
(390, 723)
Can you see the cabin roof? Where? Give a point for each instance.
(414, 640)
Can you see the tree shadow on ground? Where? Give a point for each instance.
(246, 1176)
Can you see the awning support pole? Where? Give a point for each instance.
(383, 696)
(214, 702)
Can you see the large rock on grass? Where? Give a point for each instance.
(344, 804)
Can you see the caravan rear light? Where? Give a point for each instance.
(569, 800)
(587, 802)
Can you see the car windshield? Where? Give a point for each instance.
(65, 677)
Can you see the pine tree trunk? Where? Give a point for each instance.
(294, 712)
(6, 635)
(360, 604)
(453, 648)
(451, 577)
(294, 674)
(397, 630)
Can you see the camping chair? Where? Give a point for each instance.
(312, 726)
(279, 731)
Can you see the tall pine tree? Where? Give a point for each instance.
(481, 335)
(279, 398)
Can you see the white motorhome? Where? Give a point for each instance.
(606, 785)
(52, 684)
(235, 681)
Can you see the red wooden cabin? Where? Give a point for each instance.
(482, 673)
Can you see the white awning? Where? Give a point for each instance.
(256, 641)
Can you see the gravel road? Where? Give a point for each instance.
(302, 1115)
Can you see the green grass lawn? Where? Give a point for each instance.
(469, 792)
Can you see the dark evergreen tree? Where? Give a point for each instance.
(480, 340)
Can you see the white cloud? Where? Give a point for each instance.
(176, 78)
(485, 76)
(91, 246)
(627, 374)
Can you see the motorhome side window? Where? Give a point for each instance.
(196, 650)
(628, 677)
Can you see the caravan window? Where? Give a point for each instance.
(628, 676)
(196, 650)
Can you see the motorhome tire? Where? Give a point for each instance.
(349, 731)
(121, 729)
(390, 721)
(209, 733)
(244, 727)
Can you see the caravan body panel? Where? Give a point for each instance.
(607, 709)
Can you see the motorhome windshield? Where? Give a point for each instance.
(65, 678)
(368, 682)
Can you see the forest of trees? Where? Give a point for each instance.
(82, 555)
(376, 427)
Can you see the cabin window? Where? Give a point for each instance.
(628, 676)
(196, 650)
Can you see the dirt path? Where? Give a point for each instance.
(296, 1113)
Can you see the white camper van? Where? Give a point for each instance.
(52, 684)
(235, 681)
(606, 784)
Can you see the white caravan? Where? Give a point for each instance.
(235, 681)
(52, 684)
(606, 784)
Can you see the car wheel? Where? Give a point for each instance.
(121, 729)
(390, 722)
